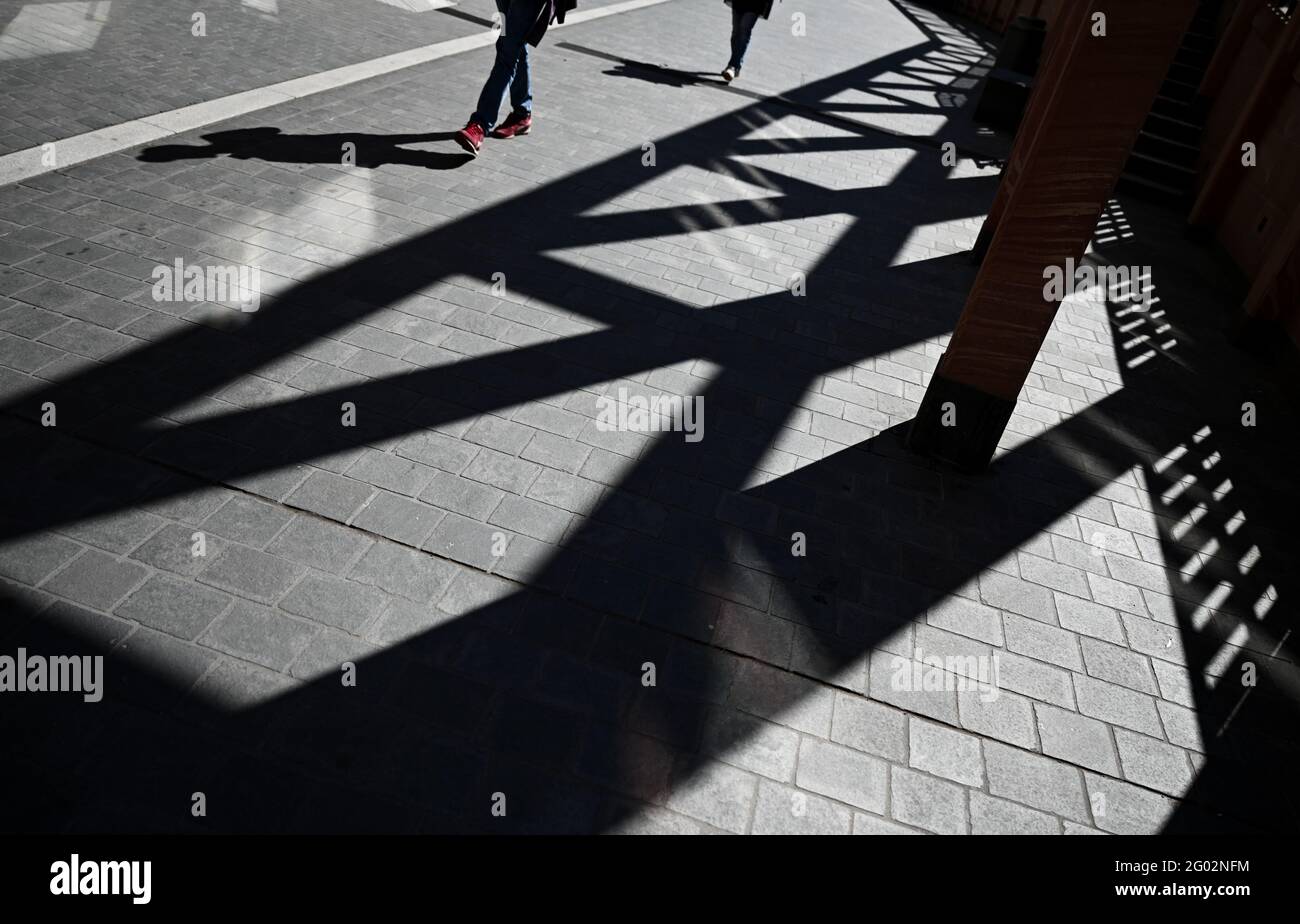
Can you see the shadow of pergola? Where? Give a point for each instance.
(539, 695)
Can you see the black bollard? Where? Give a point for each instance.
(1022, 46)
(1006, 92)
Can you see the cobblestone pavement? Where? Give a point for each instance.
(72, 67)
(365, 558)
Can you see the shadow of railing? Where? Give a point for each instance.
(1209, 442)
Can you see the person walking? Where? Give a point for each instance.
(744, 15)
(523, 23)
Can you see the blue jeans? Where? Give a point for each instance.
(510, 69)
(742, 29)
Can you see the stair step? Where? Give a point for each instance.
(1173, 130)
(1198, 61)
(1185, 73)
(1159, 170)
(1179, 109)
(1178, 90)
(1154, 185)
(1151, 190)
(1178, 112)
(1189, 172)
(1166, 150)
(1150, 132)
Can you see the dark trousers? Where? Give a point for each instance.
(510, 69)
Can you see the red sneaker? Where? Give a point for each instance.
(470, 137)
(518, 124)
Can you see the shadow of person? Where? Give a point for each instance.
(664, 76)
(271, 144)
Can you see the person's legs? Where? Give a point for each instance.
(742, 29)
(521, 88)
(519, 18)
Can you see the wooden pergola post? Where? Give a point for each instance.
(1059, 39)
(1094, 99)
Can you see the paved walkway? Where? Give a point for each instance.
(73, 67)
(364, 558)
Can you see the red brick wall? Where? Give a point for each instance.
(1241, 79)
(1268, 195)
